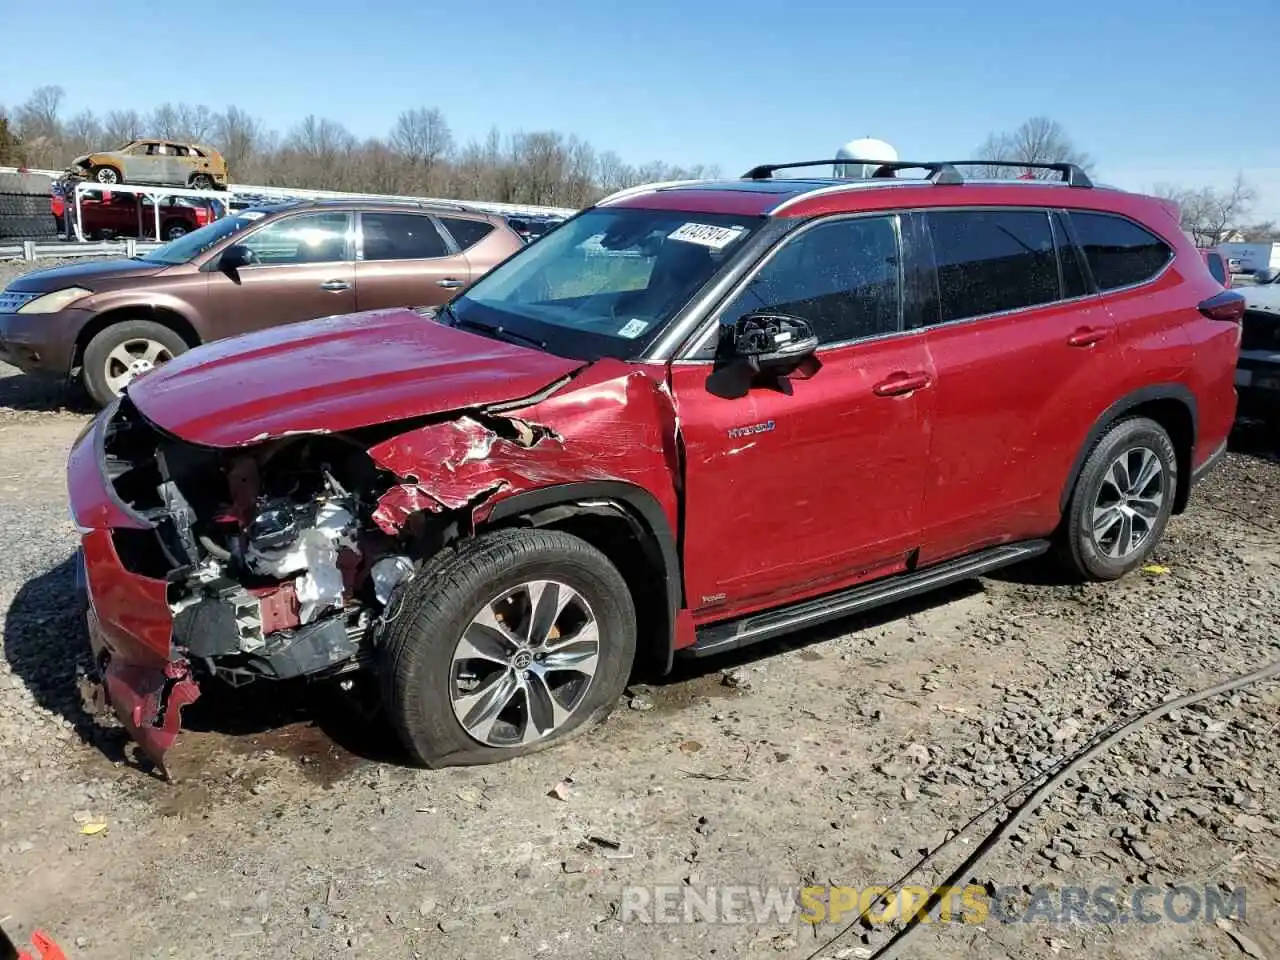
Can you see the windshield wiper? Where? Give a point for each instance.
(494, 330)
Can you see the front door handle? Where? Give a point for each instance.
(449, 283)
(335, 286)
(1087, 336)
(901, 383)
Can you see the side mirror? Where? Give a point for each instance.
(771, 341)
(235, 257)
(1266, 276)
(763, 349)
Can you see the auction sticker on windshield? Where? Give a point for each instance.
(632, 329)
(707, 235)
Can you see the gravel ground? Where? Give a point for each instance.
(833, 758)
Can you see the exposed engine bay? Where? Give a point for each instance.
(275, 567)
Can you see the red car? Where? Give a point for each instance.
(108, 214)
(690, 418)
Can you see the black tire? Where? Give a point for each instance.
(202, 181)
(29, 227)
(23, 205)
(26, 184)
(95, 373)
(173, 229)
(111, 174)
(418, 646)
(1088, 553)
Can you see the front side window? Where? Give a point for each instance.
(401, 236)
(198, 241)
(990, 261)
(606, 282)
(1119, 252)
(841, 276)
(305, 238)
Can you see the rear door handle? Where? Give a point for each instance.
(335, 285)
(1087, 336)
(449, 283)
(901, 383)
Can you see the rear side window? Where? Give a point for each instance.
(1120, 253)
(990, 261)
(467, 233)
(401, 236)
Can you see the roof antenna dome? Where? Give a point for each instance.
(867, 148)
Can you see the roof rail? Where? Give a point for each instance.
(1072, 174)
(940, 172)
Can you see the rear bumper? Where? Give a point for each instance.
(41, 342)
(128, 616)
(1258, 384)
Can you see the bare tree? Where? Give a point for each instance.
(1264, 232)
(239, 137)
(83, 133)
(1038, 140)
(1210, 214)
(120, 127)
(195, 123)
(423, 137)
(37, 118)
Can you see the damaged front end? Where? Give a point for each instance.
(267, 558)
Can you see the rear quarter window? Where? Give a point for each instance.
(1217, 267)
(1119, 252)
(467, 233)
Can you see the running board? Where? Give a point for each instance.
(731, 634)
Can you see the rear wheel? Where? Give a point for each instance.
(123, 351)
(173, 229)
(202, 181)
(1122, 501)
(515, 642)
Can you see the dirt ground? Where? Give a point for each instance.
(835, 757)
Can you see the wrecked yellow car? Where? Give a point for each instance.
(156, 162)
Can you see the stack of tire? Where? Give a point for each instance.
(24, 207)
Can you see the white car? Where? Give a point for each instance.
(1264, 293)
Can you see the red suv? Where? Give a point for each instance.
(693, 416)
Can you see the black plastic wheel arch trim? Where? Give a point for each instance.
(647, 511)
(1161, 391)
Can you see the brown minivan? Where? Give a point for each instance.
(107, 321)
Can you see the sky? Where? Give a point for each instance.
(1169, 92)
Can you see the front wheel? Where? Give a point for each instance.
(174, 229)
(122, 351)
(105, 174)
(1122, 501)
(513, 643)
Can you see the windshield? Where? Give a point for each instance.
(198, 241)
(605, 283)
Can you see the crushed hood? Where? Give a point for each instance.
(335, 374)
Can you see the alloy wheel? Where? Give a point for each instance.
(524, 664)
(1128, 503)
(133, 358)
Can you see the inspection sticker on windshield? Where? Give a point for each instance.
(706, 235)
(633, 328)
(252, 215)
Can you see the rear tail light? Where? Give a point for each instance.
(1227, 307)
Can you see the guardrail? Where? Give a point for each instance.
(33, 250)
